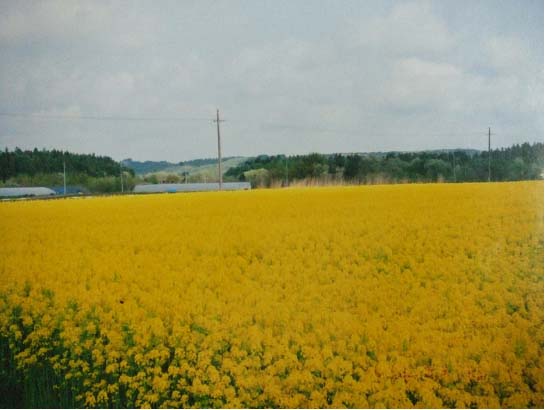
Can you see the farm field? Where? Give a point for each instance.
(374, 296)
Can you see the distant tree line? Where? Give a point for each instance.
(518, 162)
(45, 168)
(102, 174)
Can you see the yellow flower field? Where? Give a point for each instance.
(375, 296)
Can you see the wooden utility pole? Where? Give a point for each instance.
(488, 154)
(220, 177)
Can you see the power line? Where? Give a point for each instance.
(98, 117)
(270, 126)
(273, 126)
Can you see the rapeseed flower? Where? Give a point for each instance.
(377, 296)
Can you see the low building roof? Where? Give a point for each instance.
(26, 191)
(210, 186)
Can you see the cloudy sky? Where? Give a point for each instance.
(145, 78)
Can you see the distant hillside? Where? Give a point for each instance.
(146, 167)
(202, 161)
(191, 166)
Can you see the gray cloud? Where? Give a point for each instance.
(290, 77)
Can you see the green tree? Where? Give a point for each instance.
(352, 167)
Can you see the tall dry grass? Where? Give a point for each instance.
(335, 180)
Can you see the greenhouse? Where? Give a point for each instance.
(196, 187)
(25, 191)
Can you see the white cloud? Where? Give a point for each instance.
(71, 23)
(505, 53)
(419, 83)
(410, 28)
(51, 19)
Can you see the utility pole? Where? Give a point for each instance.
(217, 121)
(488, 154)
